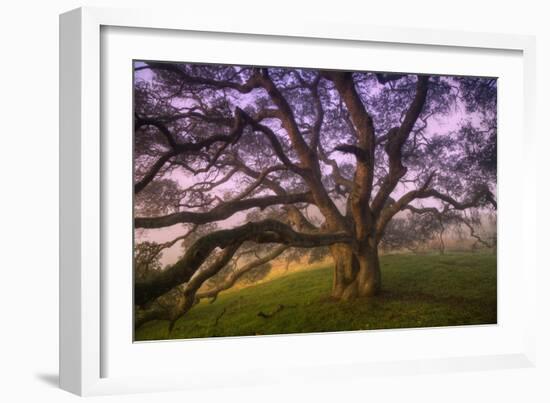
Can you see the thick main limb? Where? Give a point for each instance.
(220, 212)
(363, 151)
(266, 231)
(396, 139)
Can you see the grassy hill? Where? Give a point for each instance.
(418, 291)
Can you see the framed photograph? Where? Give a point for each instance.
(290, 201)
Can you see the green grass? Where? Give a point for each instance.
(417, 291)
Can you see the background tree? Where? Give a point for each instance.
(316, 158)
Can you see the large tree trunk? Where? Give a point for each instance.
(346, 267)
(355, 274)
(369, 278)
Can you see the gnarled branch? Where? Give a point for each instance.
(181, 148)
(266, 231)
(478, 198)
(232, 278)
(396, 137)
(221, 211)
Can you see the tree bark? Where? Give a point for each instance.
(369, 278)
(356, 274)
(345, 269)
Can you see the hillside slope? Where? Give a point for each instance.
(418, 291)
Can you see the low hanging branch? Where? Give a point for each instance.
(266, 231)
(187, 299)
(232, 278)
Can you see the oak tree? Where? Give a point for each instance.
(288, 158)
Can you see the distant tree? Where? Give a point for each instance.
(146, 260)
(323, 158)
(410, 232)
(147, 255)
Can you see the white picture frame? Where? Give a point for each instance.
(86, 345)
